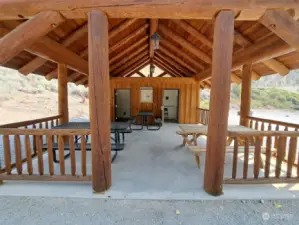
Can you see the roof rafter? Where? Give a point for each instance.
(161, 66)
(137, 66)
(168, 66)
(271, 63)
(153, 29)
(22, 36)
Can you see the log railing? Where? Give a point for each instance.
(46, 123)
(43, 167)
(266, 124)
(253, 161)
(203, 115)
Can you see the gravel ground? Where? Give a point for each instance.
(33, 210)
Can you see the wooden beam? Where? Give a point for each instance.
(185, 44)
(51, 50)
(130, 63)
(99, 100)
(38, 62)
(162, 74)
(185, 9)
(269, 48)
(127, 39)
(180, 53)
(129, 49)
(137, 67)
(63, 108)
(283, 25)
(191, 30)
(153, 29)
(220, 97)
(177, 59)
(161, 66)
(27, 33)
(114, 32)
(175, 65)
(245, 95)
(273, 64)
(128, 58)
(140, 74)
(165, 65)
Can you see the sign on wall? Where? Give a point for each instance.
(146, 94)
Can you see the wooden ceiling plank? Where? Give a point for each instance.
(153, 29)
(128, 38)
(269, 48)
(127, 50)
(167, 66)
(135, 67)
(273, 64)
(185, 44)
(23, 36)
(283, 25)
(191, 30)
(38, 62)
(130, 63)
(179, 52)
(161, 66)
(126, 59)
(177, 59)
(177, 66)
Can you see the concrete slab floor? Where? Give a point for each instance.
(153, 165)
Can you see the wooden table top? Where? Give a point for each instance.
(203, 130)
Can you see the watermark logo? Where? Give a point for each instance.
(276, 216)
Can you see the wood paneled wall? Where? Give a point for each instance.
(188, 95)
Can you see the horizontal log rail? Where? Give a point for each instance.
(203, 116)
(266, 124)
(253, 161)
(33, 154)
(49, 121)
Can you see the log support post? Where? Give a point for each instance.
(245, 96)
(219, 103)
(63, 108)
(99, 100)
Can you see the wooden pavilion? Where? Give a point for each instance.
(101, 43)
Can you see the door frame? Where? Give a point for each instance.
(178, 101)
(115, 99)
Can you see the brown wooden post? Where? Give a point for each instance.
(245, 95)
(198, 103)
(219, 103)
(99, 100)
(63, 108)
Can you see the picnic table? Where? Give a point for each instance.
(200, 130)
(144, 116)
(116, 127)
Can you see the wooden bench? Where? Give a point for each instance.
(229, 149)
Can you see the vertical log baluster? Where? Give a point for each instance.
(280, 152)
(83, 155)
(291, 155)
(47, 124)
(72, 155)
(263, 126)
(28, 155)
(7, 154)
(276, 138)
(52, 123)
(257, 157)
(235, 158)
(18, 154)
(256, 127)
(61, 154)
(268, 156)
(269, 127)
(50, 154)
(251, 123)
(246, 158)
(39, 154)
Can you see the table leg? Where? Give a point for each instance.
(197, 160)
(195, 139)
